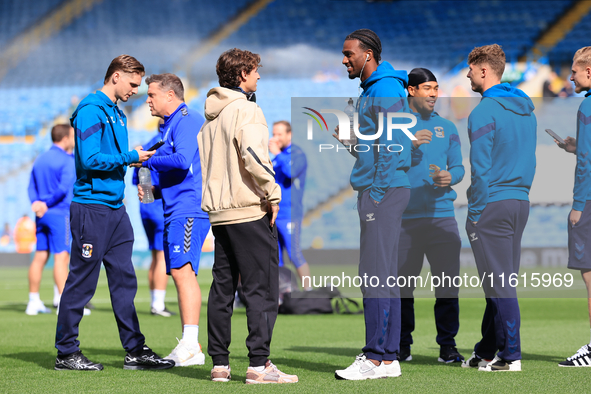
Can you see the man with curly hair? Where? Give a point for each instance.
(242, 199)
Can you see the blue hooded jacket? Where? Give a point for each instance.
(502, 131)
(178, 164)
(380, 166)
(101, 154)
(582, 189)
(445, 151)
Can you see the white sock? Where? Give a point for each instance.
(34, 297)
(152, 297)
(191, 334)
(222, 366)
(158, 299)
(56, 295)
(259, 369)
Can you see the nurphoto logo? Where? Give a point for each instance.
(349, 130)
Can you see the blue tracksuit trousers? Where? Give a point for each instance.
(496, 244)
(380, 232)
(99, 234)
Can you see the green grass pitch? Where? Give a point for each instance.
(310, 346)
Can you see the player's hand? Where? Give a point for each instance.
(272, 210)
(422, 137)
(442, 179)
(140, 192)
(274, 147)
(336, 134)
(144, 154)
(40, 208)
(575, 216)
(346, 142)
(570, 145)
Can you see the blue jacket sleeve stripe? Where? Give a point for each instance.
(482, 131)
(83, 135)
(396, 107)
(456, 138)
(584, 119)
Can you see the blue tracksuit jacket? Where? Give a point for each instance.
(582, 189)
(502, 131)
(101, 153)
(290, 174)
(444, 150)
(52, 180)
(379, 169)
(178, 165)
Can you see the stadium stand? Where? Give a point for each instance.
(419, 33)
(577, 38)
(16, 16)
(70, 63)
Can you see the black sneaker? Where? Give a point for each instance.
(449, 354)
(76, 362)
(146, 359)
(404, 354)
(165, 312)
(582, 358)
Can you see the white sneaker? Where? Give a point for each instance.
(362, 369)
(500, 365)
(475, 362)
(184, 354)
(393, 369)
(36, 307)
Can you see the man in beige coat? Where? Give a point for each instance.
(241, 197)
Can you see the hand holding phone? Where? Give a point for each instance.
(555, 136)
(156, 146)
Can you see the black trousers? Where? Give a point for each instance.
(249, 251)
(439, 240)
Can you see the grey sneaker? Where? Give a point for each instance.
(146, 359)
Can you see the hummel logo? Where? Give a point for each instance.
(370, 217)
(177, 249)
(473, 237)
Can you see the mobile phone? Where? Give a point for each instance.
(156, 145)
(555, 136)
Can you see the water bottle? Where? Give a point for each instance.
(146, 183)
(350, 111)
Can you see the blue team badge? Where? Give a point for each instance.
(439, 132)
(87, 251)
